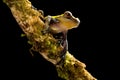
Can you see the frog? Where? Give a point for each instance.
(59, 25)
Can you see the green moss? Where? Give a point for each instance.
(52, 52)
(47, 43)
(29, 42)
(23, 35)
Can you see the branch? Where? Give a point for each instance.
(31, 22)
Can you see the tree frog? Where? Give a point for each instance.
(60, 24)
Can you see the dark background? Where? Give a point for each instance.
(91, 42)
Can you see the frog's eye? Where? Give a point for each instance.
(68, 14)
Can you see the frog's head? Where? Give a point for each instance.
(69, 20)
(64, 22)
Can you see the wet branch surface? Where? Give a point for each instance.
(31, 21)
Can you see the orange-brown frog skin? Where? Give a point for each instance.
(61, 24)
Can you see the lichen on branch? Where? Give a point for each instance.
(31, 21)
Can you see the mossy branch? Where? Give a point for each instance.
(31, 22)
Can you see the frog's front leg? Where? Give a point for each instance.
(65, 48)
(65, 44)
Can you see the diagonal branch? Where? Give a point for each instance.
(31, 22)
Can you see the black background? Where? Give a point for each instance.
(91, 42)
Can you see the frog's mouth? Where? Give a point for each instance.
(75, 22)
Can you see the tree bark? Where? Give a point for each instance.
(31, 21)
